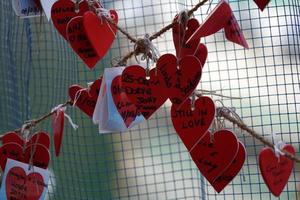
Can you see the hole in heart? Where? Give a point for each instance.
(147, 78)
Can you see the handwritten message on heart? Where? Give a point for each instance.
(214, 156)
(222, 181)
(191, 125)
(10, 150)
(63, 11)
(79, 42)
(85, 99)
(146, 94)
(221, 17)
(180, 81)
(22, 186)
(125, 107)
(276, 171)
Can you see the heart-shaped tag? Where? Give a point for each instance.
(146, 94)
(214, 155)
(222, 181)
(21, 186)
(180, 81)
(10, 150)
(221, 17)
(85, 99)
(276, 171)
(63, 11)
(37, 155)
(79, 42)
(125, 107)
(39, 138)
(262, 4)
(100, 31)
(58, 121)
(12, 137)
(180, 37)
(191, 125)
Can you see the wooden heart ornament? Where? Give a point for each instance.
(58, 121)
(213, 156)
(222, 181)
(262, 3)
(276, 171)
(146, 94)
(100, 31)
(125, 107)
(79, 42)
(85, 99)
(179, 80)
(192, 125)
(63, 11)
(21, 186)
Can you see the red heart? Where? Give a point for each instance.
(12, 137)
(180, 37)
(276, 171)
(146, 94)
(78, 40)
(191, 125)
(262, 4)
(222, 181)
(63, 11)
(213, 158)
(180, 83)
(10, 150)
(100, 31)
(39, 138)
(221, 17)
(58, 120)
(38, 154)
(21, 186)
(125, 107)
(85, 99)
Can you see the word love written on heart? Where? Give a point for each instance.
(22, 186)
(191, 125)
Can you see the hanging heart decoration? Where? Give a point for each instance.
(63, 11)
(101, 30)
(39, 138)
(192, 125)
(32, 184)
(58, 121)
(221, 17)
(85, 99)
(147, 93)
(179, 80)
(262, 4)
(180, 36)
(79, 42)
(276, 170)
(125, 107)
(213, 156)
(10, 150)
(222, 181)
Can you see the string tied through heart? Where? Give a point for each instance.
(77, 8)
(182, 21)
(106, 16)
(63, 108)
(278, 146)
